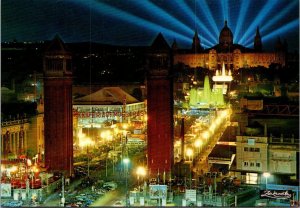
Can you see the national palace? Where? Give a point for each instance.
(234, 56)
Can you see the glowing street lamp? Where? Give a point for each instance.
(266, 175)
(86, 143)
(198, 144)
(126, 162)
(29, 163)
(189, 153)
(205, 135)
(107, 135)
(141, 171)
(125, 126)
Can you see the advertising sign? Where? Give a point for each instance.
(131, 200)
(190, 195)
(276, 194)
(142, 201)
(5, 190)
(158, 191)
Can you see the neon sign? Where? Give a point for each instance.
(276, 194)
(105, 114)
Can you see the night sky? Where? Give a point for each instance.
(137, 22)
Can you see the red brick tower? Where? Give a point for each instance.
(58, 118)
(160, 109)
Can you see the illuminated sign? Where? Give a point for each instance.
(5, 190)
(276, 194)
(190, 195)
(106, 114)
(158, 191)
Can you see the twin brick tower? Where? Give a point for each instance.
(58, 113)
(58, 118)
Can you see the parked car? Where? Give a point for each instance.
(111, 184)
(118, 204)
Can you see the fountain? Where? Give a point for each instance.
(221, 80)
(204, 98)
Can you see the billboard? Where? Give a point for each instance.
(190, 195)
(158, 191)
(5, 190)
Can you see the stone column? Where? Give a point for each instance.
(13, 143)
(10, 142)
(2, 145)
(25, 140)
(17, 143)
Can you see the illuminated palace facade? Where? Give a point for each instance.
(234, 56)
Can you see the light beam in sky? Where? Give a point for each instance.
(257, 21)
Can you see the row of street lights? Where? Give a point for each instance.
(87, 142)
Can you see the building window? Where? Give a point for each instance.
(245, 163)
(251, 164)
(258, 165)
(256, 149)
(246, 149)
(251, 178)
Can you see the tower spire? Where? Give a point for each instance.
(196, 45)
(257, 41)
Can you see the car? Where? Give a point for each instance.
(118, 204)
(111, 184)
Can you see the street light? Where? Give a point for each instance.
(140, 172)
(205, 135)
(126, 162)
(86, 143)
(189, 153)
(198, 144)
(266, 175)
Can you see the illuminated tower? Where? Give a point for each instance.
(174, 47)
(160, 109)
(257, 41)
(58, 108)
(196, 46)
(280, 52)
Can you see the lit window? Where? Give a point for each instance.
(251, 178)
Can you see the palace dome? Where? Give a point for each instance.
(226, 36)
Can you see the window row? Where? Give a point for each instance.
(251, 149)
(251, 164)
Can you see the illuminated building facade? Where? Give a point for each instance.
(159, 109)
(58, 108)
(14, 138)
(106, 105)
(234, 56)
